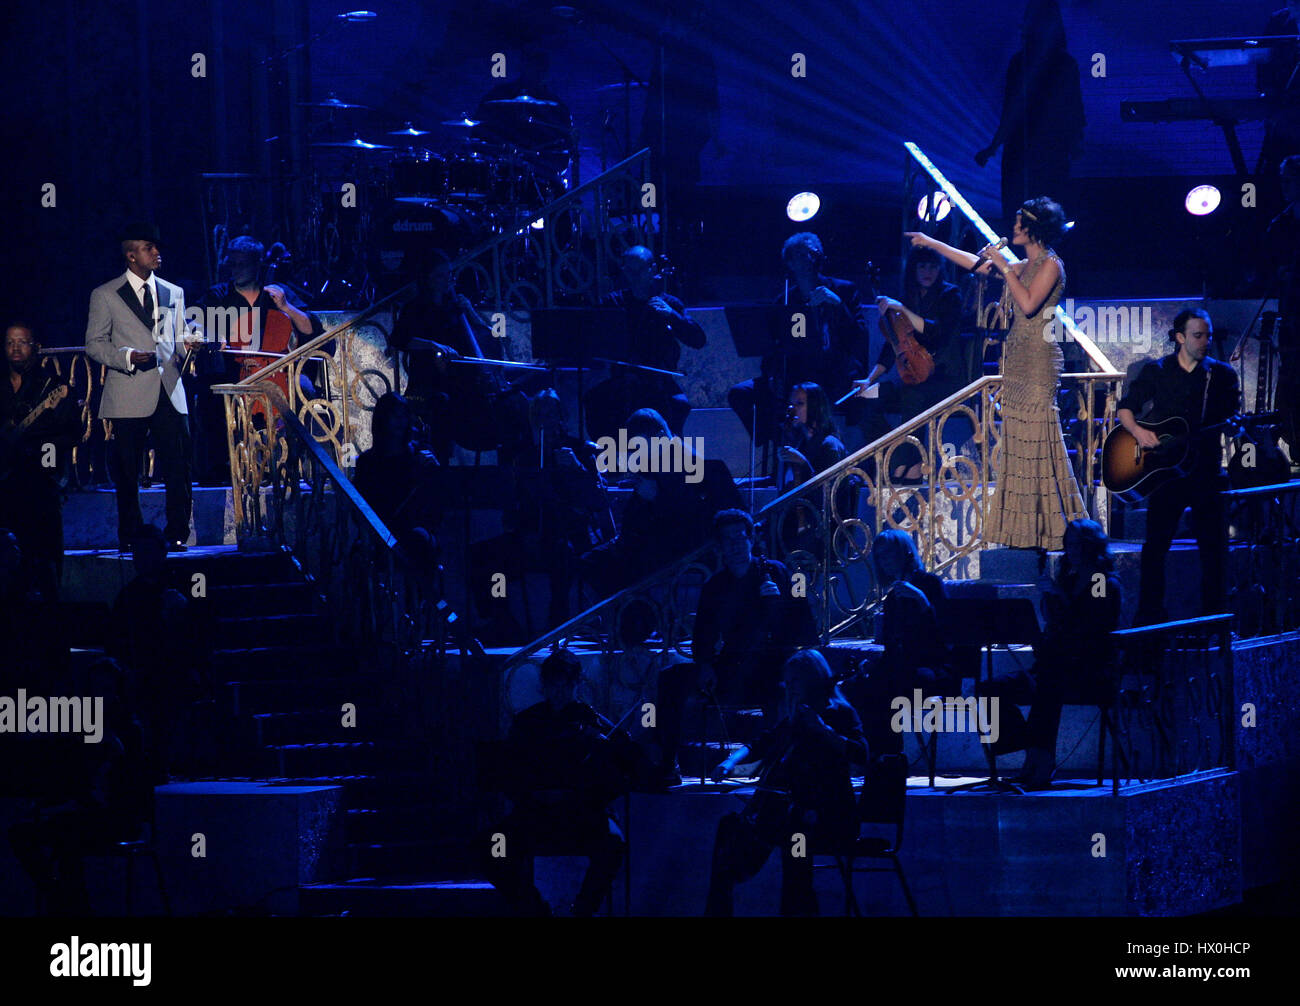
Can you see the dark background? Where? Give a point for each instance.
(100, 100)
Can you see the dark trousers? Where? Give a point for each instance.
(1056, 679)
(556, 832)
(1164, 510)
(872, 690)
(169, 432)
(739, 852)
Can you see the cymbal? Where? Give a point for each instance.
(330, 102)
(465, 122)
(409, 131)
(356, 143)
(522, 99)
(620, 86)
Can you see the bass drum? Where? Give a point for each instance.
(411, 231)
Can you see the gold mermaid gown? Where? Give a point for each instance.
(1035, 494)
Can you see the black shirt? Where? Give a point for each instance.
(1164, 389)
(736, 625)
(59, 425)
(834, 345)
(940, 306)
(448, 322)
(655, 338)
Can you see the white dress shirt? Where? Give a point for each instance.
(138, 285)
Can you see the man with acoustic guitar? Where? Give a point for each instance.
(39, 426)
(1187, 384)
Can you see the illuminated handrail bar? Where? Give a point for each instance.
(1098, 358)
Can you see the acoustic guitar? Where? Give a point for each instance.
(1133, 472)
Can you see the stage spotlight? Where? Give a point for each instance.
(803, 206)
(1202, 200)
(932, 209)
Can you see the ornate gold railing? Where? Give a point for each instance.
(825, 527)
(379, 603)
(570, 259)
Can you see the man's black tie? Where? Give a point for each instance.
(146, 312)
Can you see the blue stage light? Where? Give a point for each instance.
(803, 206)
(1202, 200)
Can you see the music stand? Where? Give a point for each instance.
(578, 335)
(987, 622)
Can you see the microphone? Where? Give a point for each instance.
(988, 251)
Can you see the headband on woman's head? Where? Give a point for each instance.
(1025, 212)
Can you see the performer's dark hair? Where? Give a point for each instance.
(819, 408)
(808, 240)
(1186, 315)
(812, 664)
(912, 292)
(561, 667)
(246, 245)
(1096, 546)
(732, 515)
(389, 406)
(1043, 219)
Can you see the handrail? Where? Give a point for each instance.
(1095, 355)
(846, 468)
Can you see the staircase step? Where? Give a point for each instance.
(273, 630)
(328, 757)
(456, 897)
(244, 599)
(304, 726)
(391, 823)
(278, 663)
(249, 696)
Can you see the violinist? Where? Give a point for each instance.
(658, 326)
(829, 354)
(748, 622)
(804, 800)
(933, 308)
(567, 763)
(281, 325)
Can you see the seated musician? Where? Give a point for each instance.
(933, 307)
(809, 444)
(748, 623)
(457, 403)
(804, 804)
(566, 763)
(1072, 660)
(830, 354)
(667, 516)
(911, 631)
(32, 458)
(658, 326)
(1191, 385)
(560, 510)
(399, 481)
(281, 323)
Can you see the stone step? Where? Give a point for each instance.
(283, 630)
(276, 663)
(304, 726)
(449, 898)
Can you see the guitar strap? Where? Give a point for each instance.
(1205, 395)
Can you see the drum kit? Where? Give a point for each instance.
(415, 195)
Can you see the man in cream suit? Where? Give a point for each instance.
(137, 331)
